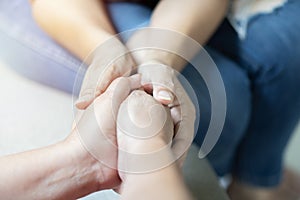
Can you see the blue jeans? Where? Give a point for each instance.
(261, 76)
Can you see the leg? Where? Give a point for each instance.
(270, 54)
(29, 51)
(238, 94)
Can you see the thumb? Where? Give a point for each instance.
(159, 79)
(163, 95)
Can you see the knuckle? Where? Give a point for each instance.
(88, 91)
(109, 93)
(121, 80)
(141, 98)
(138, 94)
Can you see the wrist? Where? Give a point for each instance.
(87, 169)
(152, 44)
(147, 146)
(160, 57)
(143, 157)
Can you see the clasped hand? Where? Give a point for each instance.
(125, 121)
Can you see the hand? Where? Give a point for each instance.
(96, 128)
(146, 130)
(158, 79)
(144, 127)
(157, 56)
(103, 70)
(184, 116)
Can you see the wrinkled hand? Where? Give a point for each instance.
(103, 70)
(96, 128)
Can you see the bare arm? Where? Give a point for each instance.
(150, 175)
(67, 170)
(61, 171)
(166, 183)
(197, 19)
(79, 25)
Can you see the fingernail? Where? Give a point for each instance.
(82, 99)
(164, 95)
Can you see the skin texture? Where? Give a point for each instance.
(42, 174)
(102, 72)
(82, 32)
(164, 180)
(67, 170)
(80, 28)
(84, 25)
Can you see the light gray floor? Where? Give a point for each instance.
(293, 150)
(33, 115)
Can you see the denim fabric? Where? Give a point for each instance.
(261, 76)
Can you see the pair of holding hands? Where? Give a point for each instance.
(133, 124)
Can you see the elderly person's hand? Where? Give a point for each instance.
(96, 128)
(85, 162)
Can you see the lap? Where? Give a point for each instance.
(31, 52)
(271, 44)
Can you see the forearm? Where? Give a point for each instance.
(78, 25)
(146, 161)
(166, 183)
(59, 171)
(197, 19)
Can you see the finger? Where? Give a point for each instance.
(98, 77)
(78, 116)
(131, 83)
(119, 90)
(176, 114)
(88, 91)
(144, 134)
(163, 94)
(92, 87)
(87, 96)
(143, 118)
(84, 102)
(183, 114)
(160, 77)
(98, 122)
